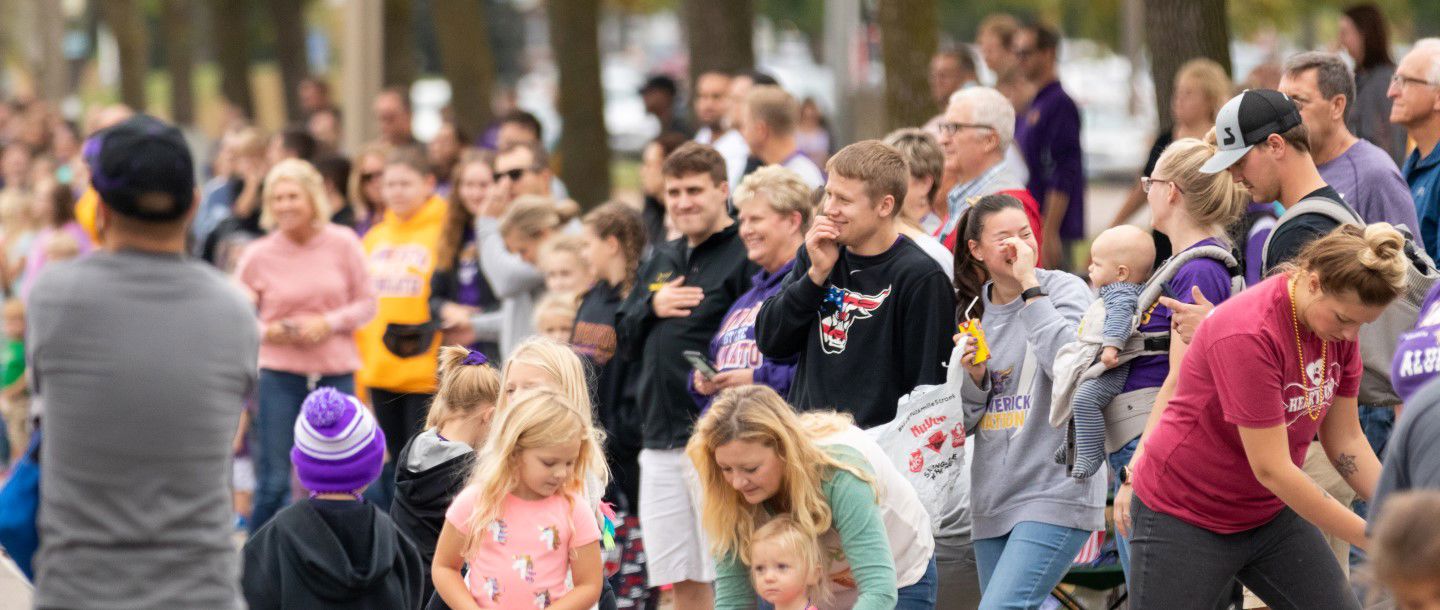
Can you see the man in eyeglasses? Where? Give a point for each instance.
(1415, 97)
(976, 135)
(1048, 135)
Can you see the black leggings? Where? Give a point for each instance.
(1176, 565)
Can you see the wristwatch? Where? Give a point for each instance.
(1032, 293)
(1124, 475)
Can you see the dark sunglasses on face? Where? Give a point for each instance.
(368, 177)
(513, 175)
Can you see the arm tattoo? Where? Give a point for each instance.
(1345, 465)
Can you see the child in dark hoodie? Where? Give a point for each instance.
(334, 550)
(433, 466)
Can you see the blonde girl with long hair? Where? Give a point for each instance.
(757, 458)
(432, 467)
(522, 523)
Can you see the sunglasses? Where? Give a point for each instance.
(514, 174)
(368, 177)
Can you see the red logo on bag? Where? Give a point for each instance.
(957, 436)
(936, 441)
(917, 460)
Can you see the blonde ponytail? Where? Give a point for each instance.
(1212, 200)
(464, 389)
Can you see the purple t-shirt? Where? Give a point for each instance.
(1212, 278)
(1048, 136)
(1368, 180)
(1417, 355)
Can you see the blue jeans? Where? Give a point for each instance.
(1019, 569)
(1119, 460)
(272, 434)
(919, 596)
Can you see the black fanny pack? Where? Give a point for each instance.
(410, 340)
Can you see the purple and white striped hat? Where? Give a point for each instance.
(338, 447)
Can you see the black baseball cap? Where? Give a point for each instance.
(1246, 120)
(133, 161)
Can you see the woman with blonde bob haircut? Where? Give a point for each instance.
(312, 291)
(757, 458)
(1219, 491)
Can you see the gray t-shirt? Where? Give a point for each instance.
(1368, 180)
(144, 362)
(1412, 456)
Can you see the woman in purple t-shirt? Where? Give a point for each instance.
(1192, 209)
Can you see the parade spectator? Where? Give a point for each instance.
(314, 94)
(769, 125)
(733, 141)
(458, 290)
(715, 107)
(660, 95)
(1407, 550)
(812, 133)
(1259, 384)
(976, 137)
(291, 143)
(995, 35)
(652, 183)
(518, 126)
(1201, 88)
(774, 213)
(1415, 95)
(366, 188)
(680, 299)
(1029, 518)
(240, 170)
(135, 463)
(520, 169)
(755, 455)
(1048, 136)
(335, 175)
(861, 301)
(950, 71)
(443, 152)
(312, 292)
(712, 104)
(917, 219)
(399, 345)
(1365, 36)
(528, 222)
(53, 205)
(324, 126)
(333, 550)
(1321, 86)
(392, 116)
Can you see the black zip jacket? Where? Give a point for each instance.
(882, 325)
(719, 266)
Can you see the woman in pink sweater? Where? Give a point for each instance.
(311, 291)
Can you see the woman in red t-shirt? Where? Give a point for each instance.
(1218, 489)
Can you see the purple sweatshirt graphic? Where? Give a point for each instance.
(733, 346)
(1417, 356)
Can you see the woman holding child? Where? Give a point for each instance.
(757, 458)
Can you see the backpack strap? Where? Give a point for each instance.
(1158, 285)
(1324, 206)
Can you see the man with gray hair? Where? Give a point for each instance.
(1415, 97)
(977, 137)
(1323, 87)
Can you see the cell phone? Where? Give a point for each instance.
(699, 362)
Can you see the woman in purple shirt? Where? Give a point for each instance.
(1192, 209)
(774, 205)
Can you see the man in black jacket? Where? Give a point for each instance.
(863, 302)
(679, 300)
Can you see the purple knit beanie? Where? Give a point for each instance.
(338, 447)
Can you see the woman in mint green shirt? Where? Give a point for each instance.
(757, 458)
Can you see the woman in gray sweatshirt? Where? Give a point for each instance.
(1029, 517)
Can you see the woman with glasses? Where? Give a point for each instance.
(366, 205)
(1192, 209)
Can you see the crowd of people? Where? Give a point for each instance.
(792, 377)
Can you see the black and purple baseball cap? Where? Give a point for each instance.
(142, 169)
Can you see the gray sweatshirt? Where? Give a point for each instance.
(1014, 476)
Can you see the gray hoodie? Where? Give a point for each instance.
(1014, 476)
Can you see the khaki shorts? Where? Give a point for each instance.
(675, 546)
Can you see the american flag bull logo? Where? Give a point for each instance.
(844, 308)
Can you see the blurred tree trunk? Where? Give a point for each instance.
(721, 35)
(908, 37)
(467, 60)
(289, 16)
(1177, 31)
(127, 24)
(51, 69)
(584, 150)
(178, 21)
(400, 64)
(232, 47)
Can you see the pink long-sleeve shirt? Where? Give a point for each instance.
(325, 276)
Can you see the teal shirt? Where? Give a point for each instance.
(12, 362)
(856, 518)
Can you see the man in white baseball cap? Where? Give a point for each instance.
(1260, 139)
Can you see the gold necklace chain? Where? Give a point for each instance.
(1313, 410)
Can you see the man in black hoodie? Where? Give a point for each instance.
(678, 302)
(863, 302)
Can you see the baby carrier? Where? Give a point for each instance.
(1080, 359)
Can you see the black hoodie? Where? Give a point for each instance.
(720, 267)
(429, 473)
(329, 554)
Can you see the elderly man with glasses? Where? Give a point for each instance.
(976, 136)
(1415, 97)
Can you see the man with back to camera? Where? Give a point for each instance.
(681, 296)
(143, 358)
(863, 302)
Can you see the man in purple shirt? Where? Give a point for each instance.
(1048, 135)
(1322, 87)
